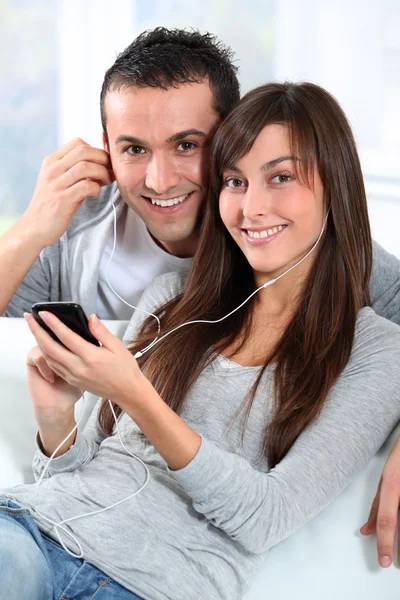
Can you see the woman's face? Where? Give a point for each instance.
(273, 217)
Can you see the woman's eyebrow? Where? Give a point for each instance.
(272, 163)
(233, 168)
(266, 166)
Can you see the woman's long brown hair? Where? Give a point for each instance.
(317, 343)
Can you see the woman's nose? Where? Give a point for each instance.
(256, 202)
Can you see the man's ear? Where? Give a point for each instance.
(105, 143)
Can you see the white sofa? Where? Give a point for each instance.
(327, 560)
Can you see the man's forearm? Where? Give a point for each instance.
(18, 251)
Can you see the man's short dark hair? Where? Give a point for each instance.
(165, 58)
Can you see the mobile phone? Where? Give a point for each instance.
(70, 313)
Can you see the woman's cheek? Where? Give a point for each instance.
(229, 209)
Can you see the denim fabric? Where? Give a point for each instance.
(34, 567)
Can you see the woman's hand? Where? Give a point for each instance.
(49, 392)
(53, 404)
(109, 371)
(112, 372)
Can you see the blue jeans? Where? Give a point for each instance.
(33, 567)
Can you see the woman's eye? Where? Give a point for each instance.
(186, 146)
(135, 150)
(232, 182)
(281, 178)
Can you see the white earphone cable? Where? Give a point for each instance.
(59, 525)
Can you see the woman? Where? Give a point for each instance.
(249, 426)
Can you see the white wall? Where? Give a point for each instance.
(352, 48)
(384, 216)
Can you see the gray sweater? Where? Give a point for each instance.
(69, 269)
(203, 531)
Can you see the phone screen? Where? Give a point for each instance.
(70, 313)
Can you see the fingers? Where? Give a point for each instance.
(76, 150)
(105, 337)
(76, 193)
(43, 363)
(81, 162)
(48, 346)
(43, 357)
(36, 359)
(386, 520)
(88, 153)
(370, 526)
(77, 160)
(84, 170)
(398, 546)
(383, 518)
(64, 150)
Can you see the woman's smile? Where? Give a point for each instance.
(266, 235)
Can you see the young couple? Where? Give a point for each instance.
(245, 428)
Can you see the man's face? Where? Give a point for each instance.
(159, 142)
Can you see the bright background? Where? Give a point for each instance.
(53, 55)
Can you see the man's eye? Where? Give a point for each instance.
(232, 182)
(282, 178)
(135, 150)
(186, 146)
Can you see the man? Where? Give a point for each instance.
(161, 103)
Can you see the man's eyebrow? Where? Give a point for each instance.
(272, 163)
(181, 135)
(130, 139)
(184, 134)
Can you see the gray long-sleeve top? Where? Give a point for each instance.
(202, 531)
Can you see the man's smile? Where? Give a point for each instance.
(171, 204)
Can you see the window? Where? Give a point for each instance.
(28, 102)
(52, 94)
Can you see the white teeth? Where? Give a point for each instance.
(169, 202)
(266, 233)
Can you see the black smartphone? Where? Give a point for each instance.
(70, 313)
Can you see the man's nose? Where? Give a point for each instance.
(161, 174)
(256, 202)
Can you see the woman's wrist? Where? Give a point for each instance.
(54, 417)
(175, 441)
(132, 397)
(53, 430)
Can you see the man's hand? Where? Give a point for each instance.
(383, 517)
(67, 176)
